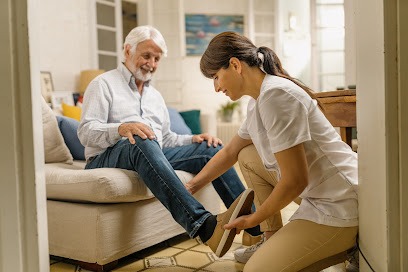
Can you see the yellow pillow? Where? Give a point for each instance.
(71, 111)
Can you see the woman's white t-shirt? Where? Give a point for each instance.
(283, 116)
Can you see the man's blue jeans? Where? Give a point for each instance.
(156, 167)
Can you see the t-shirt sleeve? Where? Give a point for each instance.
(243, 131)
(285, 119)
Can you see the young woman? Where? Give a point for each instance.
(301, 154)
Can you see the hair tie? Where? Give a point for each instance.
(261, 57)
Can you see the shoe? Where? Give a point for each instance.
(242, 255)
(221, 240)
(352, 264)
(249, 240)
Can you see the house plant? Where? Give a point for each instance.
(227, 110)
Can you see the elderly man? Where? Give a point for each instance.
(125, 124)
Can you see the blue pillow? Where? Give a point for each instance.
(177, 123)
(68, 128)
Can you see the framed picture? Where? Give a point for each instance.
(59, 97)
(201, 28)
(47, 87)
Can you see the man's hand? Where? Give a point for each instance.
(211, 140)
(129, 129)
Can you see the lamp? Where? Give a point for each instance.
(86, 77)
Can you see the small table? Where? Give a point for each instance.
(339, 107)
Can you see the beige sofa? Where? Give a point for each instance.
(98, 216)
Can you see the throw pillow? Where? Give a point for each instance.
(192, 119)
(55, 150)
(71, 111)
(69, 127)
(177, 123)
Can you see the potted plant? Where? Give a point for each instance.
(227, 110)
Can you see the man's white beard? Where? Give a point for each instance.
(138, 74)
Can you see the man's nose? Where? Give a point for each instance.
(152, 63)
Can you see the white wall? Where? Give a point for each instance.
(198, 91)
(66, 47)
(23, 217)
(382, 80)
(371, 134)
(65, 44)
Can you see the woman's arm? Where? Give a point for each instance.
(220, 163)
(294, 179)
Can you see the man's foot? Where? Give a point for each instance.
(242, 255)
(221, 240)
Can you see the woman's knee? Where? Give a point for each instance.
(254, 267)
(264, 263)
(247, 154)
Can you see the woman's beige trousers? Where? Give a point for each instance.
(299, 243)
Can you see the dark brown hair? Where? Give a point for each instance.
(227, 45)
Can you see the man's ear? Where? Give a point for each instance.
(235, 64)
(127, 50)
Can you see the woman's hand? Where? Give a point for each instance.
(193, 186)
(241, 223)
(219, 164)
(211, 140)
(189, 188)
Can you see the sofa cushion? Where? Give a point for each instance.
(55, 149)
(192, 119)
(71, 111)
(177, 123)
(102, 185)
(69, 128)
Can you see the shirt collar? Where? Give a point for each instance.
(130, 79)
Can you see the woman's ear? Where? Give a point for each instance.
(235, 64)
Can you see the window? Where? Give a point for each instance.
(129, 17)
(114, 20)
(106, 34)
(264, 22)
(328, 44)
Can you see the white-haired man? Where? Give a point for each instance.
(125, 124)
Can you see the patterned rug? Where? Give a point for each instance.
(180, 254)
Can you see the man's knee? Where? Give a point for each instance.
(146, 145)
(209, 151)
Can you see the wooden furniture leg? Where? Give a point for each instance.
(98, 267)
(346, 135)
